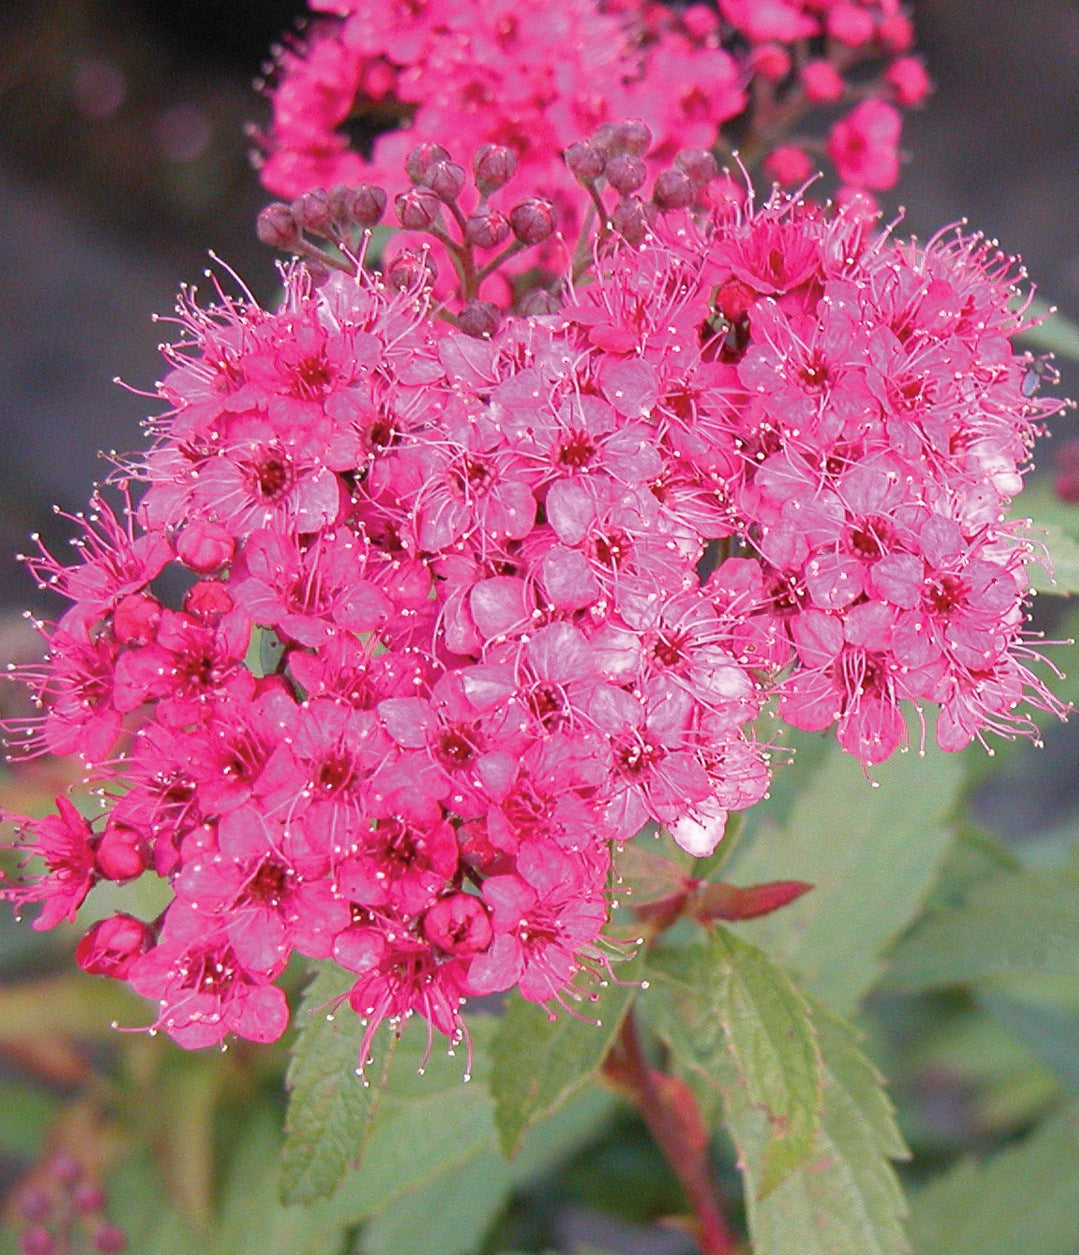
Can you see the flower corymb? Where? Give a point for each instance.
(453, 606)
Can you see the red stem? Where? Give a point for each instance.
(667, 1125)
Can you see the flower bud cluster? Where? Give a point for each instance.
(459, 612)
(60, 1211)
(533, 78)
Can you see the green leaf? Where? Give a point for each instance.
(1023, 1199)
(1056, 334)
(433, 1131)
(1054, 524)
(1051, 1034)
(844, 1196)
(1019, 922)
(453, 1212)
(736, 999)
(330, 1108)
(539, 1063)
(871, 855)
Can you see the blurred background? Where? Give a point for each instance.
(124, 159)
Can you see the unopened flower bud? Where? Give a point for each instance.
(205, 546)
(37, 1241)
(366, 205)
(493, 166)
(445, 179)
(699, 164)
(315, 211)
(135, 619)
(632, 219)
(822, 83)
(486, 228)
(109, 1240)
(277, 227)
(208, 600)
(771, 62)
(606, 139)
(112, 945)
(410, 270)
(586, 161)
(532, 221)
(120, 853)
(89, 1198)
(788, 165)
(537, 302)
(674, 189)
(65, 1168)
(895, 34)
(421, 158)
(625, 173)
(418, 209)
(633, 137)
(34, 1203)
(458, 924)
(479, 319)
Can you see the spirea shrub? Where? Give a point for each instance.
(566, 474)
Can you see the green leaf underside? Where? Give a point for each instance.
(1024, 1199)
(432, 1163)
(871, 855)
(1019, 922)
(1056, 334)
(844, 1197)
(1054, 525)
(330, 1108)
(539, 1063)
(763, 1024)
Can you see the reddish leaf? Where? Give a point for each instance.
(728, 902)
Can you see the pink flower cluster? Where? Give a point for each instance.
(409, 625)
(371, 80)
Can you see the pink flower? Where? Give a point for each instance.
(864, 146)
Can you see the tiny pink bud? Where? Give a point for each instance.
(410, 269)
(458, 924)
(34, 1203)
(109, 1240)
(445, 179)
(493, 166)
(421, 158)
(537, 302)
(112, 945)
(366, 205)
(120, 853)
(37, 1241)
(771, 62)
(788, 165)
(699, 165)
(277, 227)
(586, 161)
(822, 83)
(626, 173)
(479, 319)
(65, 1168)
(315, 211)
(208, 600)
(532, 221)
(89, 1198)
(850, 24)
(633, 137)
(632, 219)
(135, 619)
(673, 190)
(205, 546)
(486, 228)
(895, 34)
(606, 139)
(908, 79)
(418, 209)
